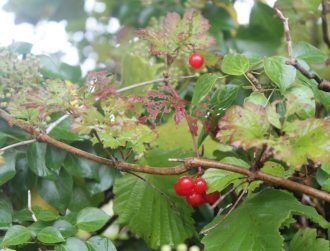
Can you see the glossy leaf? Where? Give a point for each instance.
(91, 219)
(203, 87)
(72, 244)
(16, 235)
(7, 169)
(308, 53)
(279, 72)
(98, 243)
(235, 64)
(6, 211)
(50, 235)
(36, 154)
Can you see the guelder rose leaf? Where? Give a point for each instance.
(303, 140)
(245, 126)
(158, 219)
(190, 31)
(255, 224)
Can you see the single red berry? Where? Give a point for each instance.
(196, 60)
(195, 199)
(200, 185)
(184, 186)
(211, 198)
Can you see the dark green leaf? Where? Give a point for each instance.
(105, 180)
(65, 227)
(80, 167)
(7, 170)
(203, 87)
(91, 219)
(36, 154)
(72, 244)
(6, 211)
(54, 157)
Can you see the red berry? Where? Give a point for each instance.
(196, 60)
(211, 198)
(184, 186)
(200, 185)
(195, 199)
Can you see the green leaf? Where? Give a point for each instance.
(158, 219)
(50, 235)
(267, 210)
(245, 126)
(91, 219)
(58, 192)
(257, 98)
(65, 228)
(44, 215)
(203, 87)
(36, 154)
(98, 243)
(277, 169)
(54, 157)
(235, 64)
(274, 118)
(135, 70)
(106, 177)
(81, 167)
(326, 167)
(72, 244)
(279, 72)
(303, 140)
(6, 211)
(16, 235)
(308, 53)
(305, 240)
(218, 179)
(312, 4)
(7, 169)
(224, 97)
(301, 101)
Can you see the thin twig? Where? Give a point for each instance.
(227, 214)
(323, 85)
(325, 30)
(30, 207)
(187, 164)
(133, 86)
(30, 141)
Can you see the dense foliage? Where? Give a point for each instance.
(91, 162)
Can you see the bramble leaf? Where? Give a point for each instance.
(305, 240)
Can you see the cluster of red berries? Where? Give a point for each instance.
(196, 60)
(195, 191)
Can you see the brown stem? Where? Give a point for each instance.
(187, 164)
(325, 32)
(323, 84)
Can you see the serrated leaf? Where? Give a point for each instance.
(98, 243)
(300, 101)
(7, 169)
(218, 179)
(305, 240)
(72, 244)
(16, 235)
(91, 219)
(158, 219)
(279, 72)
(203, 87)
(303, 140)
(235, 64)
(267, 210)
(50, 235)
(245, 126)
(36, 154)
(308, 53)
